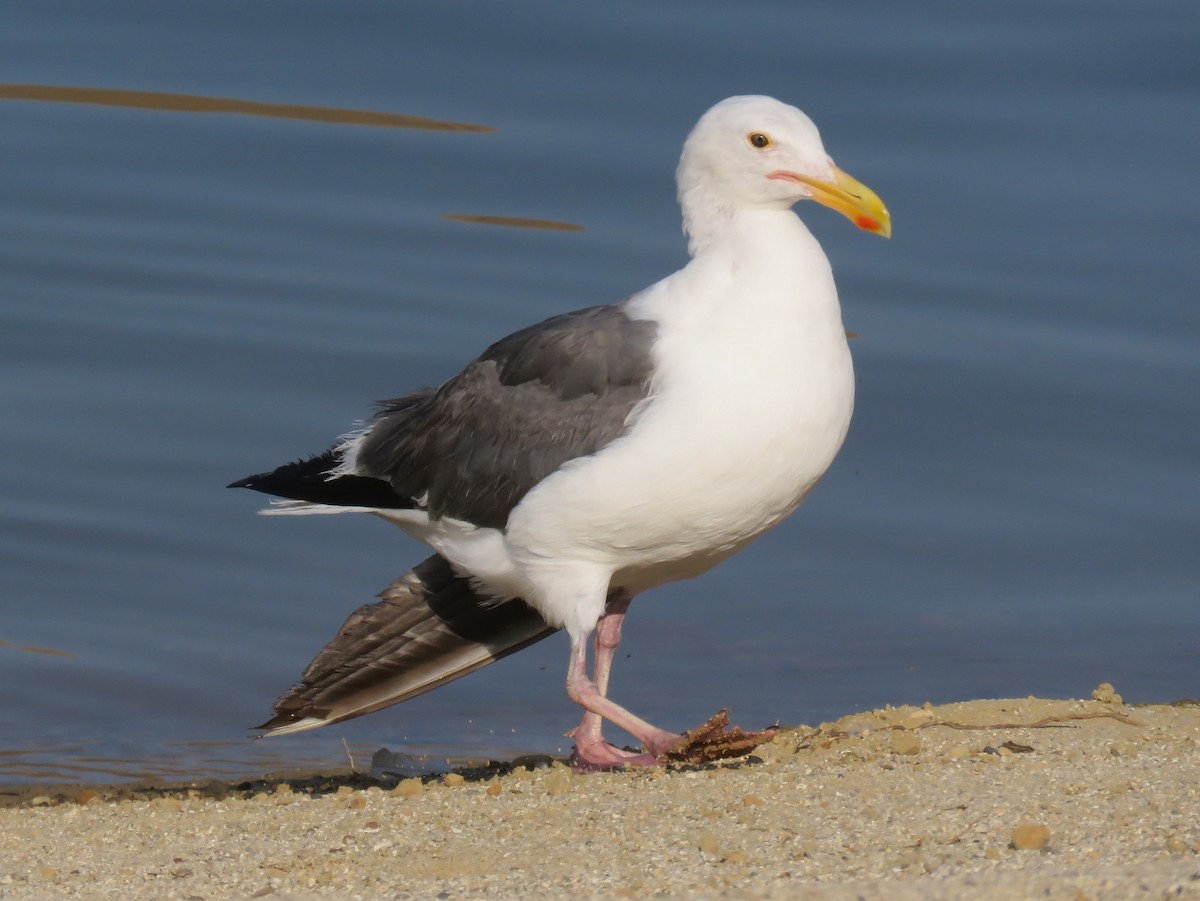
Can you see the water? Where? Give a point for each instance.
(186, 298)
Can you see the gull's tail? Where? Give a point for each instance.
(430, 628)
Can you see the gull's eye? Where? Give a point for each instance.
(758, 140)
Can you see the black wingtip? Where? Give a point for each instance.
(309, 480)
(291, 479)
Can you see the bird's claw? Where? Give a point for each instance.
(714, 740)
(601, 756)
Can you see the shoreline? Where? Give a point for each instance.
(978, 799)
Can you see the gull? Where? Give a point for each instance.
(588, 458)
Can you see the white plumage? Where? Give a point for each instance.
(748, 401)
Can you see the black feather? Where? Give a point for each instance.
(308, 480)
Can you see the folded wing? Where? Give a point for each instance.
(429, 628)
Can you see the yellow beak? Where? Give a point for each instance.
(848, 196)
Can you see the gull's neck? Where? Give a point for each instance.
(751, 270)
(715, 226)
(753, 244)
(706, 216)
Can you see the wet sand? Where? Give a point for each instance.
(977, 800)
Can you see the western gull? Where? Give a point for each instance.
(600, 453)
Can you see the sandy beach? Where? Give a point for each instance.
(978, 800)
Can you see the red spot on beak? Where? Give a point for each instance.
(867, 223)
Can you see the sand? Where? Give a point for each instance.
(1097, 800)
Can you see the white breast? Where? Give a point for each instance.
(754, 389)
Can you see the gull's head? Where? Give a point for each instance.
(757, 153)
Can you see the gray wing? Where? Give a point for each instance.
(430, 628)
(550, 393)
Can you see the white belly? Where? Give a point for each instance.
(730, 447)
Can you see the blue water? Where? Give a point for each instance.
(186, 298)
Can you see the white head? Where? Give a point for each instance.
(754, 152)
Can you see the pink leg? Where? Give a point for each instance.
(591, 750)
(608, 639)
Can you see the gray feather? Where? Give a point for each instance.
(550, 393)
